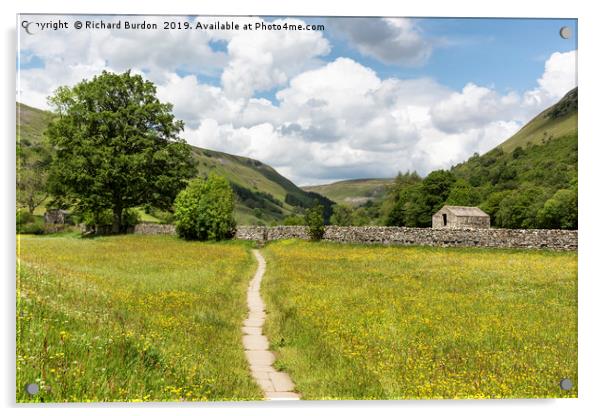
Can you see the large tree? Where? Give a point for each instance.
(116, 146)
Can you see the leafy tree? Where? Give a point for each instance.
(463, 194)
(416, 211)
(205, 209)
(560, 211)
(99, 221)
(314, 219)
(361, 217)
(492, 204)
(403, 180)
(116, 147)
(418, 202)
(519, 208)
(435, 190)
(32, 174)
(342, 215)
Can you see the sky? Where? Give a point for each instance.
(364, 97)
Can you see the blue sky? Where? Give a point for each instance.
(506, 53)
(364, 97)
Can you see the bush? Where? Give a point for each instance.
(130, 218)
(560, 211)
(294, 220)
(24, 217)
(342, 215)
(28, 223)
(204, 210)
(314, 219)
(36, 227)
(103, 218)
(164, 217)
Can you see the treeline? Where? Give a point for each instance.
(531, 187)
(258, 200)
(310, 200)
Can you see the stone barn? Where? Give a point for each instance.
(452, 216)
(57, 216)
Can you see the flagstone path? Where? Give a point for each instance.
(276, 385)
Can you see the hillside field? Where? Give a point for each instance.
(132, 318)
(354, 192)
(374, 322)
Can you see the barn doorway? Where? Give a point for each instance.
(445, 220)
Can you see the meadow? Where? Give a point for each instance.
(374, 322)
(132, 318)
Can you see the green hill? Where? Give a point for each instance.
(530, 180)
(263, 195)
(353, 192)
(31, 123)
(556, 121)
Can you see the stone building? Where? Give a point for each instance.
(57, 216)
(451, 216)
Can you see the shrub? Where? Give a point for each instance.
(165, 217)
(24, 217)
(103, 218)
(560, 211)
(28, 223)
(36, 227)
(130, 218)
(204, 210)
(341, 215)
(294, 220)
(314, 219)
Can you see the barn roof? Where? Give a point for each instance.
(460, 211)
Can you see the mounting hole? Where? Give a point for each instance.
(566, 384)
(32, 389)
(565, 32)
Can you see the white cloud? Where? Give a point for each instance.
(560, 75)
(390, 40)
(261, 60)
(328, 120)
(473, 107)
(342, 121)
(477, 107)
(193, 101)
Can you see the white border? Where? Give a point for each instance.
(590, 153)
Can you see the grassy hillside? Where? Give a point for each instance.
(529, 181)
(556, 121)
(514, 181)
(31, 123)
(353, 192)
(263, 195)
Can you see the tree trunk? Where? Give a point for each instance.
(117, 214)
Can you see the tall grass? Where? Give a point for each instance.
(373, 322)
(132, 318)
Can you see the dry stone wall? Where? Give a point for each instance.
(155, 229)
(492, 237)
